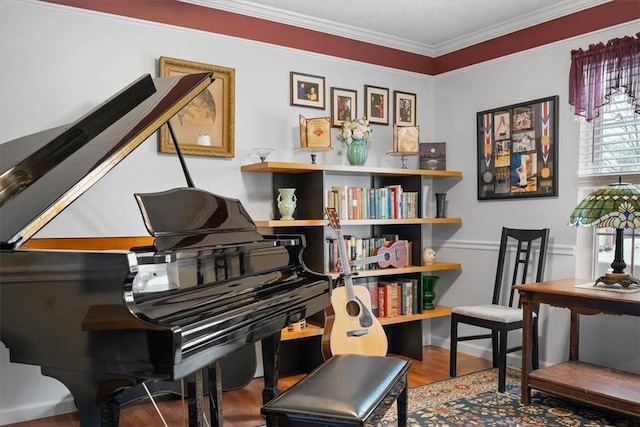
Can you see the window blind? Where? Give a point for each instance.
(610, 145)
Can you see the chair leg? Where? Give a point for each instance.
(453, 346)
(402, 402)
(495, 351)
(535, 360)
(502, 365)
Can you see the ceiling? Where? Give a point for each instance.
(428, 27)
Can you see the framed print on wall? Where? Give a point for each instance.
(404, 107)
(518, 150)
(376, 101)
(205, 126)
(307, 90)
(344, 105)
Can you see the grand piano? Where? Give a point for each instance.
(102, 322)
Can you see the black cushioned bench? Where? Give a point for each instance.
(346, 390)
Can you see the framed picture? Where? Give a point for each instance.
(205, 126)
(315, 133)
(344, 105)
(404, 107)
(307, 90)
(376, 101)
(433, 156)
(518, 150)
(405, 139)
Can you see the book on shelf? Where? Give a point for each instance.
(389, 202)
(398, 297)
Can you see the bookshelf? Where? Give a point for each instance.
(312, 181)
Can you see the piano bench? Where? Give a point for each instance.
(346, 390)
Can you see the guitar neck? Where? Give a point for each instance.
(370, 260)
(344, 260)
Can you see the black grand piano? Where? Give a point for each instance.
(102, 322)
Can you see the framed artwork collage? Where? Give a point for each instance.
(518, 150)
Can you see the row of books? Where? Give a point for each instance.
(393, 297)
(358, 248)
(389, 202)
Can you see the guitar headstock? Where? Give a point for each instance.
(332, 216)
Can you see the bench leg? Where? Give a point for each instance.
(272, 420)
(402, 402)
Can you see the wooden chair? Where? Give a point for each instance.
(499, 316)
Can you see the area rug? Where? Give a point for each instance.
(474, 400)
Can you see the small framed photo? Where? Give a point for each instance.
(315, 133)
(376, 100)
(307, 90)
(433, 156)
(404, 105)
(344, 105)
(405, 139)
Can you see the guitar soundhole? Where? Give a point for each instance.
(353, 309)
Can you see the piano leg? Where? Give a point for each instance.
(215, 393)
(89, 413)
(105, 415)
(270, 364)
(195, 393)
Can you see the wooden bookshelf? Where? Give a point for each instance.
(311, 182)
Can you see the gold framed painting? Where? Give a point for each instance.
(205, 126)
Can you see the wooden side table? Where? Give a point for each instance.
(597, 385)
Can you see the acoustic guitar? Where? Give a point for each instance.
(350, 327)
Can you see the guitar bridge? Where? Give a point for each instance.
(357, 333)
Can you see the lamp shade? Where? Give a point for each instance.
(616, 206)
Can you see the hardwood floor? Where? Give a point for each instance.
(242, 407)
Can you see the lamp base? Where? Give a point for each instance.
(623, 279)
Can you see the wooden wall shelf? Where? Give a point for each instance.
(286, 167)
(320, 222)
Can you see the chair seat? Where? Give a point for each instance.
(492, 312)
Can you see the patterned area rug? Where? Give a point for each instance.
(474, 400)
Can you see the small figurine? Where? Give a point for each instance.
(428, 256)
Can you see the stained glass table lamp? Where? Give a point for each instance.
(614, 206)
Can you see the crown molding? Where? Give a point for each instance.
(268, 13)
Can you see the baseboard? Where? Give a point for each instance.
(513, 359)
(37, 411)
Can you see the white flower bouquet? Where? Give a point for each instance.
(355, 129)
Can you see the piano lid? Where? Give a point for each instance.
(41, 174)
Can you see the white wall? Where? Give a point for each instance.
(459, 95)
(57, 63)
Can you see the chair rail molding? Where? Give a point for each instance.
(487, 245)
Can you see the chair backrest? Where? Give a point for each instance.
(525, 256)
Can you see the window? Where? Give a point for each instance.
(609, 148)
